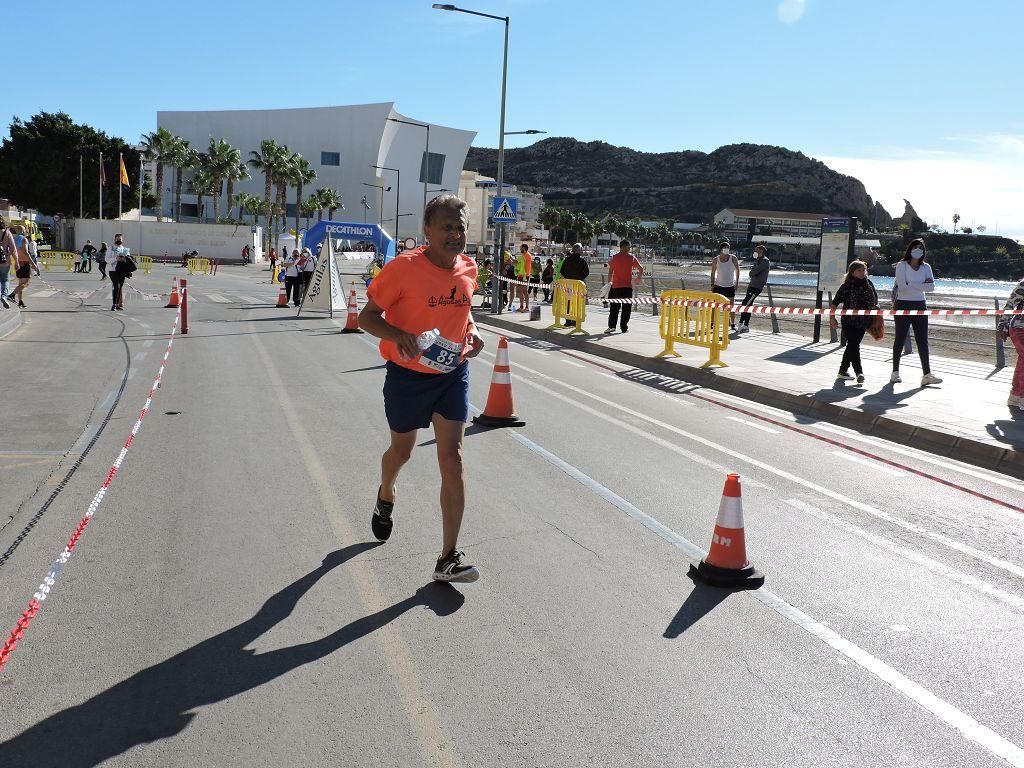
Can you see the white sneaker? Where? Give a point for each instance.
(1015, 402)
(930, 378)
(843, 376)
(895, 378)
(744, 328)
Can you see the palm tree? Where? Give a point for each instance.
(549, 218)
(201, 184)
(250, 204)
(956, 217)
(302, 174)
(310, 206)
(158, 146)
(220, 163)
(268, 160)
(239, 172)
(331, 200)
(181, 157)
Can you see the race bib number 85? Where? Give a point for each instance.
(443, 355)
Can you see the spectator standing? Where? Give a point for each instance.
(245, 254)
(524, 263)
(757, 278)
(8, 255)
(624, 270)
(88, 250)
(559, 262)
(508, 289)
(273, 263)
(292, 280)
(914, 278)
(308, 267)
(101, 261)
(856, 292)
(78, 262)
(118, 269)
(33, 250)
(547, 277)
(483, 281)
(536, 268)
(575, 267)
(1012, 327)
(725, 275)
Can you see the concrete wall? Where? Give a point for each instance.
(151, 238)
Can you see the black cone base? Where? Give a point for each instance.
(350, 330)
(498, 421)
(742, 578)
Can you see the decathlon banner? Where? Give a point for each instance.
(324, 290)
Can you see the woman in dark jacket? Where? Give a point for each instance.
(547, 277)
(856, 292)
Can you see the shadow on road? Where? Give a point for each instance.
(159, 702)
(472, 429)
(698, 604)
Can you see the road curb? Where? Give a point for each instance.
(927, 439)
(10, 321)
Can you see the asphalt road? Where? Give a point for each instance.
(228, 606)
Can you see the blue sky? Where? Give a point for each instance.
(917, 98)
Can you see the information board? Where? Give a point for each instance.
(837, 237)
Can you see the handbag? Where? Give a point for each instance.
(605, 290)
(877, 328)
(130, 264)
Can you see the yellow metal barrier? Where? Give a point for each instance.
(697, 326)
(62, 258)
(569, 302)
(145, 263)
(198, 265)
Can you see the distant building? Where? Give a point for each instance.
(341, 144)
(743, 225)
(479, 191)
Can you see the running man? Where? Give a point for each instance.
(425, 289)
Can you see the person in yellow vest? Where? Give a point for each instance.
(523, 265)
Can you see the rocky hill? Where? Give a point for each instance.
(691, 186)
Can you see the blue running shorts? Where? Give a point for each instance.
(412, 398)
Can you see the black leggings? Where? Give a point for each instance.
(854, 330)
(752, 293)
(117, 277)
(613, 309)
(903, 326)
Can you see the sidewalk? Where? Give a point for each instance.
(965, 417)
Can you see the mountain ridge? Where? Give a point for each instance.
(687, 185)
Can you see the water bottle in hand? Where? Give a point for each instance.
(425, 340)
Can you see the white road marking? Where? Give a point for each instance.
(970, 728)
(131, 374)
(875, 465)
(218, 298)
(111, 396)
(147, 344)
(574, 364)
(139, 355)
(915, 557)
(42, 294)
(251, 300)
(144, 325)
(754, 425)
(88, 434)
(842, 498)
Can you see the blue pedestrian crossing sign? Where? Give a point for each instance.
(505, 209)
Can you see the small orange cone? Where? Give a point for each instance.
(500, 410)
(175, 300)
(352, 323)
(282, 297)
(726, 564)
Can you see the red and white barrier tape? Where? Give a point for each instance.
(36, 603)
(760, 309)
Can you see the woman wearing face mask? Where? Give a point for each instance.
(914, 279)
(725, 275)
(856, 292)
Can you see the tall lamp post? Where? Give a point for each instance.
(426, 154)
(398, 191)
(380, 208)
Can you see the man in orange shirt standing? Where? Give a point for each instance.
(623, 271)
(419, 307)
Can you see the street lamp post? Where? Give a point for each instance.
(426, 154)
(398, 191)
(380, 208)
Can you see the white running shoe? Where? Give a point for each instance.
(1015, 402)
(930, 378)
(843, 376)
(895, 378)
(744, 328)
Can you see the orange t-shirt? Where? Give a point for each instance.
(622, 266)
(417, 296)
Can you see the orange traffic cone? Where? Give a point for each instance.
(175, 300)
(282, 296)
(726, 564)
(352, 323)
(500, 410)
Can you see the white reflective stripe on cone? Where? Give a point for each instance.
(501, 378)
(730, 512)
(501, 358)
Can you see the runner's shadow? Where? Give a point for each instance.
(698, 604)
(472, 429)
(160, 701)
(367, 368)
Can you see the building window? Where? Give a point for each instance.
(436, 168)
(330, 158)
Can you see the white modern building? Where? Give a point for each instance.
(342, 144)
